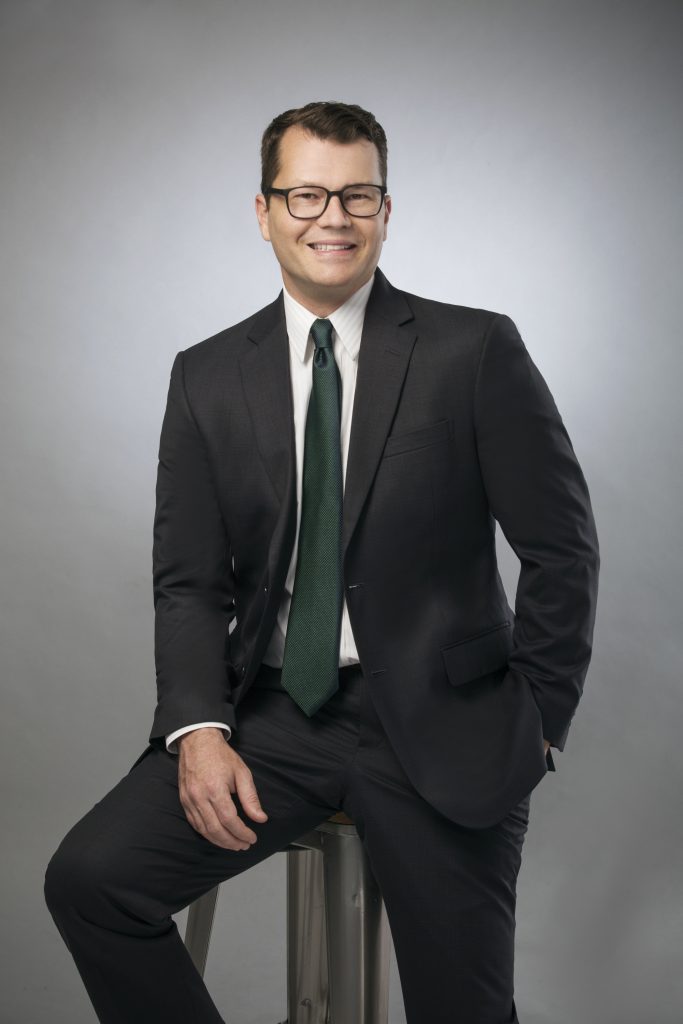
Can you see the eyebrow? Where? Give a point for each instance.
(316, 184)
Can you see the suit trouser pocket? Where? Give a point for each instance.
(513, 827)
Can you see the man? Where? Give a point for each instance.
(330, 474)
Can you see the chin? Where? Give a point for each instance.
(339, 280)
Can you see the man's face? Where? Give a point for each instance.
(320, 278)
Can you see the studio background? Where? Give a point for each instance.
(534, 163)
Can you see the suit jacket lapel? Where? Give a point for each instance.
(268, 391)
(386, 346)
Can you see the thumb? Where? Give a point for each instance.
(246, 790)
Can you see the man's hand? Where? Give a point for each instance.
(546, 745)
(209, 770)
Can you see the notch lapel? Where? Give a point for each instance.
(268, 392)
(386, 347)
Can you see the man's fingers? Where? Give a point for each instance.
(228, 818)
(246, 791)
(208, 774)
(205, 820)
(226, 829)
(215, 817)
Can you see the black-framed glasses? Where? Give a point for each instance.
(307, 202)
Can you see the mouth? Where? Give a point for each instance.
(331, 246)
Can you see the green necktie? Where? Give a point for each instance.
(310, 668)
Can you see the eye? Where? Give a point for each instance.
(305, 195)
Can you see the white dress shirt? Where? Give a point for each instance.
(347, 322)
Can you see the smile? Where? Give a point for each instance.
(324, 247)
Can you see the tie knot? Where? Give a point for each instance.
(322, 333)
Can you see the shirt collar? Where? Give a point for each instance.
(347, 321)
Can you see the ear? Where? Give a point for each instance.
(387, 214)
(262, 215)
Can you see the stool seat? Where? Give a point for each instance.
(341, 819)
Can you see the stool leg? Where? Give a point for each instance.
(199, 924)
(307, 977)
(358, 937)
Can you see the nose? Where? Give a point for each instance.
(335, 215)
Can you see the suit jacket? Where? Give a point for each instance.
(453, 429)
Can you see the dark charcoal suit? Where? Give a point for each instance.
(435, 743)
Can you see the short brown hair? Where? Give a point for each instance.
(342, 122)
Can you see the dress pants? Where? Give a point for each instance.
(134, 860)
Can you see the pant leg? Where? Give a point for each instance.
(449, 891)
(133, 860)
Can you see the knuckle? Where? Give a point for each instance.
(187, 806)
(228, 822)
(216, 792)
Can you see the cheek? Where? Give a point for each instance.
(296, 244)
(375, 240)
(282, 237)
(284, 245)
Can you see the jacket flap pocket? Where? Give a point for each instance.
(478, 655)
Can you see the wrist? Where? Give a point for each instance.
(205, 734)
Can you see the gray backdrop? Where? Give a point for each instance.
(535, 158)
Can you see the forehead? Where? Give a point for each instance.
(308, 160)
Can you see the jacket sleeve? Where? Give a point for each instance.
(538, 495)
(192, 577)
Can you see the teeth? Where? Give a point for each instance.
(330, 248)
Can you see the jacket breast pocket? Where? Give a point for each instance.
(478, 655)
(420, 438)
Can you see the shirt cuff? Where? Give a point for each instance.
(172, 746)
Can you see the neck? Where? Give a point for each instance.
(321, 304)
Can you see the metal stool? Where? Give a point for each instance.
(337, 930)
